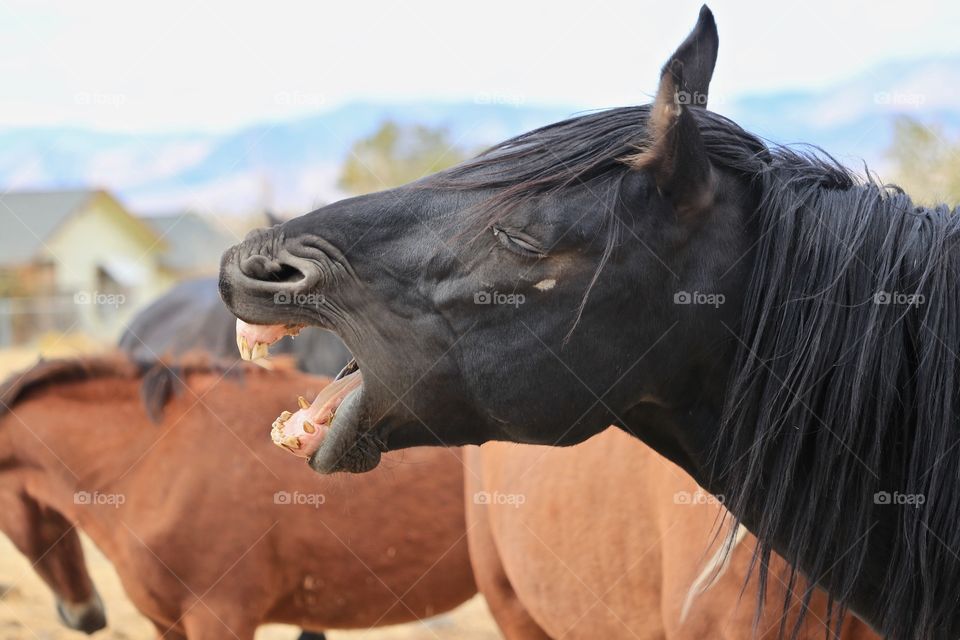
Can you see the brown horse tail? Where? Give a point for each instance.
(713, 570)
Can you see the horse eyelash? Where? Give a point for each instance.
(521, 246)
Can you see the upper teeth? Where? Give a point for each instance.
(258, 351)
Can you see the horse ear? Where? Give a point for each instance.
(675, 152)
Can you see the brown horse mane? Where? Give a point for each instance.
(160, 378)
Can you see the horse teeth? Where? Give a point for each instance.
(303, 402)
(285, 416)
(293, 441)
(245, 352)
(260, 350)
(308, 427)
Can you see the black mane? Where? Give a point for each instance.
(597, 145)
(845, 391)
(846, 378)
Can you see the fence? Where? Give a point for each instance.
(22, 320)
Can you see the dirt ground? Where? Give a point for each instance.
(27, 608)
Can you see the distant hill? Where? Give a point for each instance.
(292, 165)
(852, 121)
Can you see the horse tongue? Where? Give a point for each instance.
(253, 340)
(303, 432)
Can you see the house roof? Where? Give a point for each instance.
(194, 242)
(29, 218)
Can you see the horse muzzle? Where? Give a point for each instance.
(88, 617)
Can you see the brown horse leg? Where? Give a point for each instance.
(512, 617)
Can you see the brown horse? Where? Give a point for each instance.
(211, 529)
(558, 553)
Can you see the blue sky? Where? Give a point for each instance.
(212, 65)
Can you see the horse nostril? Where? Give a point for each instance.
(259, 267)
(289, 273)
(265, 269)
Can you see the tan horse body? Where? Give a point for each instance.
(605, 540)
(213, 530)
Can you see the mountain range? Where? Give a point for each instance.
(292, 166)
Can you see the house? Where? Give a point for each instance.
(74, 260)
(194, 243)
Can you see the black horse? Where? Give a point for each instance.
(782, 329)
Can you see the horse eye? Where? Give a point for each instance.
(516, 244)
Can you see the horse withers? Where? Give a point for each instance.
(211, 530)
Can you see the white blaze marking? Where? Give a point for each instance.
(545, 285)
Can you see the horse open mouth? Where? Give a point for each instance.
(327, 431)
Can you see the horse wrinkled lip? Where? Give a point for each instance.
(302, 432)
